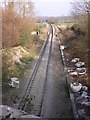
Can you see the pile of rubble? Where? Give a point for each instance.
(80, 69)
(14, 82)
(76, 71)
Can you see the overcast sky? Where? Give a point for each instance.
(52, 7)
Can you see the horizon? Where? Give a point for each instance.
(51, 8)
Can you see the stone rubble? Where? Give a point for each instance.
(80, 91)
(14, 82)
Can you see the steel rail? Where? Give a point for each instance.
(46, 70)
(22, 104)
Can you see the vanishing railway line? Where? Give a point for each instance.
(36, 85)
(46, 94)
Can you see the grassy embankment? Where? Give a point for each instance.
(78, 47)
(16, 60)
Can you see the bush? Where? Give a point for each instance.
(10, 29)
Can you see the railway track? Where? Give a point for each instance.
(32, 99)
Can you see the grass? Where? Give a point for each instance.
(29, 47)
(11, 69)
(26, 59)
(24, 39)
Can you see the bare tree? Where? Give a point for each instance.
(5, 4)
(80, 10)
(25, 9)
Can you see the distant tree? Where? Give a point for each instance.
(51, 20)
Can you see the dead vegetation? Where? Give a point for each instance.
(76, 37)
(18, 45)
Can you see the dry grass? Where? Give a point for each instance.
(27, 52)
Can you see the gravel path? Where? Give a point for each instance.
(56, 102)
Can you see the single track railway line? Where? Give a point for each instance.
(36, 85)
